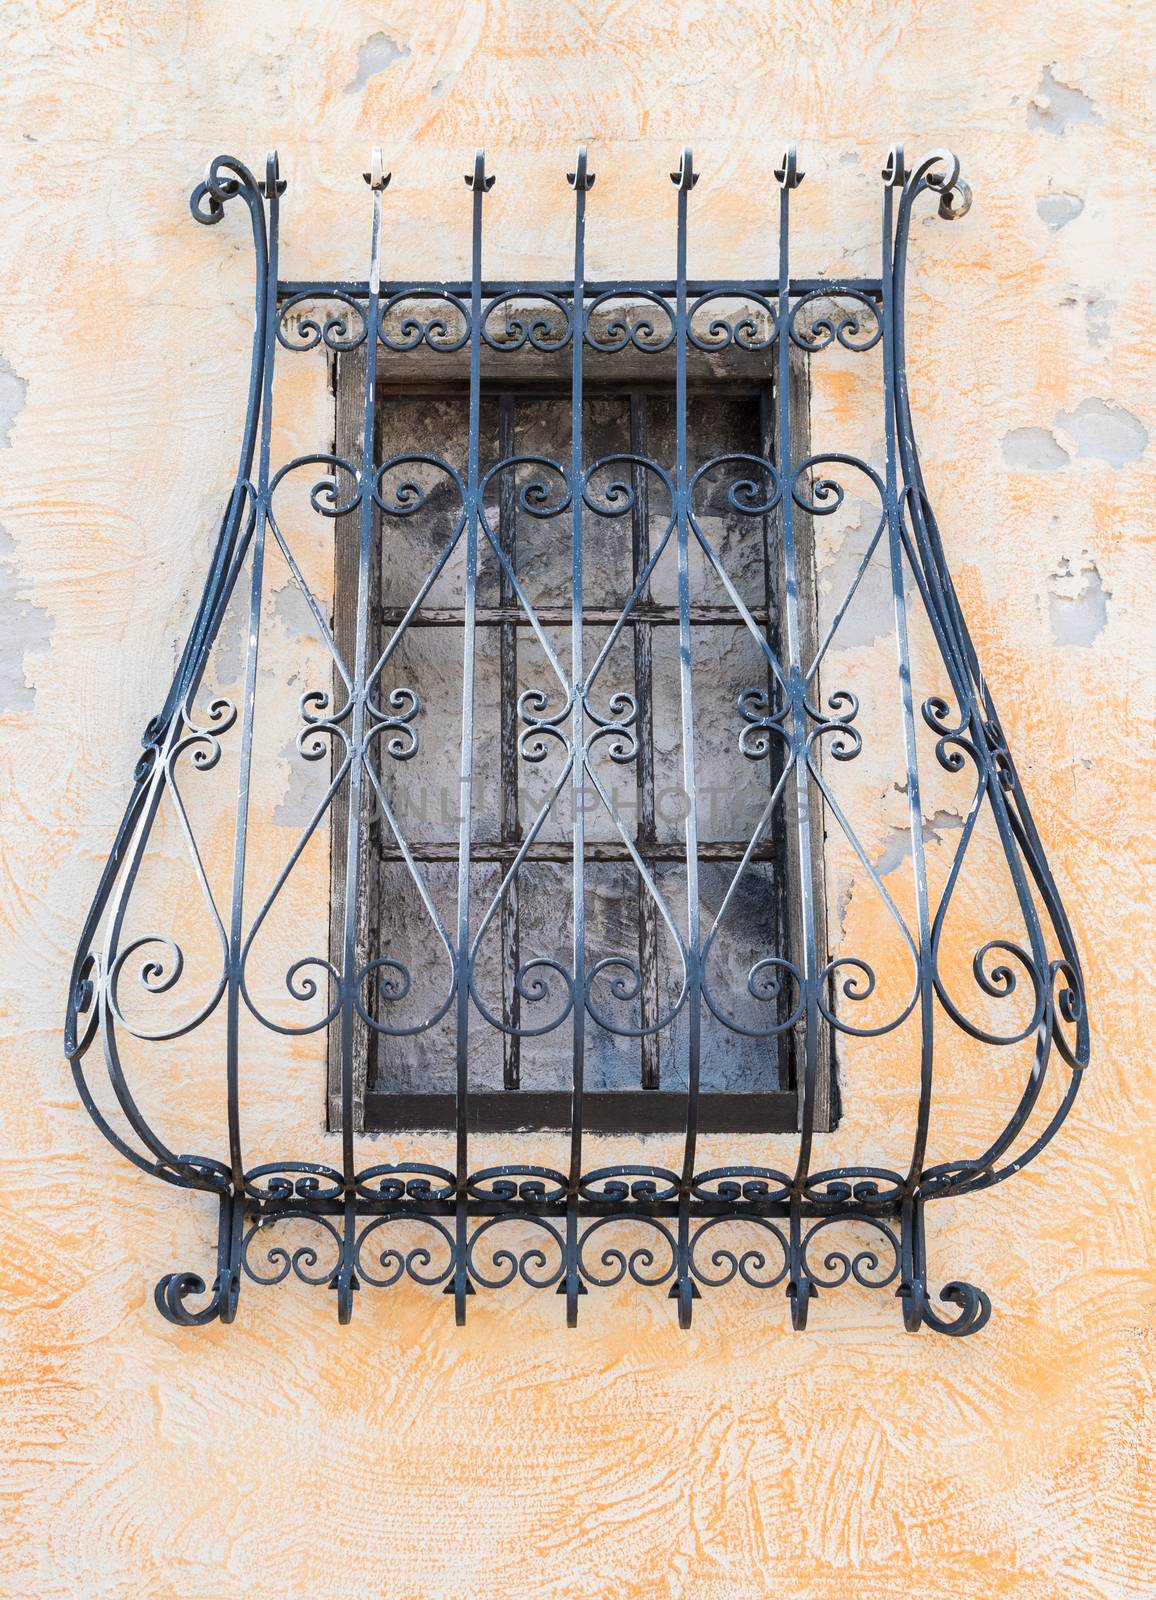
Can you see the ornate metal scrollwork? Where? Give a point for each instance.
(778, 1225)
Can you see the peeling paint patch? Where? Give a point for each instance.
(1056, 106)
(1100, 430)
(228, 656)
(308, 781)
(843, 905)
(377, 54)
(871, 614)
(1104, 431)
(1097, 318)
(292, 607)
(1097, 313)
(1077, 603)
(1057, 210)
(1034, 450)
(898, 846)
(25, 630)
(13, 393)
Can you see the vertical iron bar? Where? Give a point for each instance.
(912, 1291)
(357, 714)
(345, 1281)
(371, 1049)
(479, 184)
(348, 445)
(789, 178)
(644, 729)
(272, 189)
(580, 180)
(510, 829)
(780, 910)
(893, 176)
(684, 1288)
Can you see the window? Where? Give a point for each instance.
(635, 803)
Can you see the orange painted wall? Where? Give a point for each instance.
(402, 1457)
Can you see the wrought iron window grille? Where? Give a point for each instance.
(763, 1223)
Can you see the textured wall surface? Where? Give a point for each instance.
(403, 1457)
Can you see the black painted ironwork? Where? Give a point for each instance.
(375, 1224)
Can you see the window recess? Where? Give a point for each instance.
(523, 874)
(574, 553)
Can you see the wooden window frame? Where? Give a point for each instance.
(518, 1109)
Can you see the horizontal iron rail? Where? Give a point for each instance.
(627, 1111)
(559, 616)
(595, 850)
(563, 287)
(452, 384)
(621, 1210)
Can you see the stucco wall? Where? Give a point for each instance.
(401, 1456)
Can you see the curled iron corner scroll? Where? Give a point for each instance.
(176, 1292)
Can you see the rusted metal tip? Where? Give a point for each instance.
(956, 202)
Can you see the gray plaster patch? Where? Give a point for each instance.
(227, 660)
(25, 629)
(1097, 313)
(377, 53)
(305, 790)
(1097, 318)
(1055, 107)
(292, 607)
(1104, 431)
(844, 903)
(307, 779)
(1077, 603)
(1057, 210)
(1034, 450)
(898, 846)
(871, 614)
(13, 393)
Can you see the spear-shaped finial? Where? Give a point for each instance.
(477, 179)
(580, 178)
(686, 177)
(377, 177)
(788, 172)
